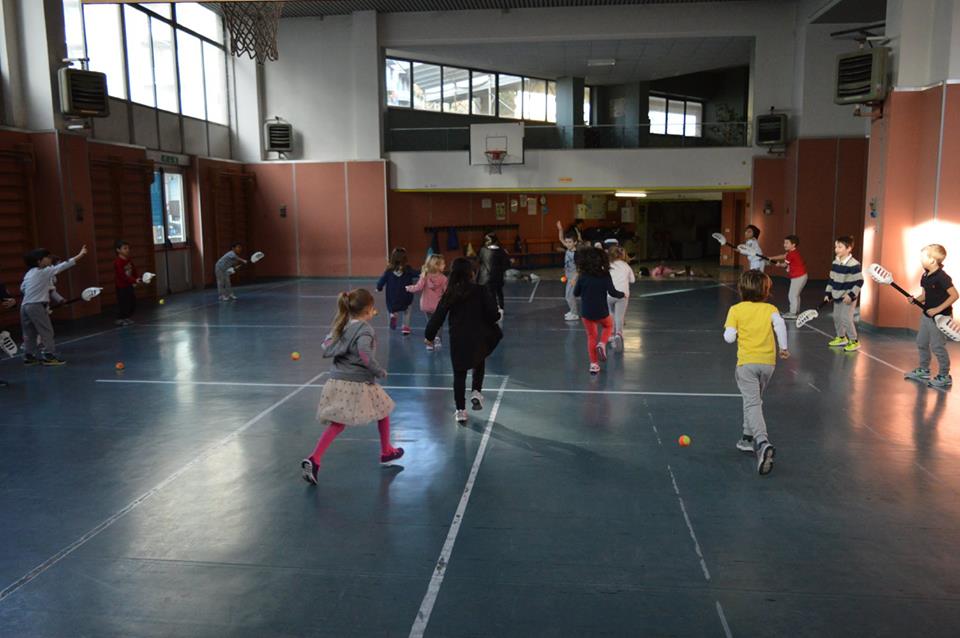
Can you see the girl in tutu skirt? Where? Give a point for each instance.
(351, 395)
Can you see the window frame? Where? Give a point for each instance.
(161, 172)
(667, 99)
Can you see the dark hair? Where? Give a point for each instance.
(490, 239)
(117, 245)
(234, 244)
(756, 231)
(349, 304)
(754, 286)
(571, 233)
(793, 239)
(398, 258)
(846, 240)
(459, 281)
(592, 261)
(32, 258)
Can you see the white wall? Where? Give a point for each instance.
(327, 84)
(713, 168)
(926, 41)
(818, 115)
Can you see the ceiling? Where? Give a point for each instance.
(310, 8)
(636, 60)
(847, 11)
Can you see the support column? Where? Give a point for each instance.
(570, 111)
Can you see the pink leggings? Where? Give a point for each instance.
(334, 429)
(606, 324)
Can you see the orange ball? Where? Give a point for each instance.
(563, 279)
(120, 365)
(295, 356)
(684, 440)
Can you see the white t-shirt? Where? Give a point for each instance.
(756, 263)
(622, 275)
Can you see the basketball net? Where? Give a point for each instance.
(495, 161)
(253, 28)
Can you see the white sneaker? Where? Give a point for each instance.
(437, 342)
(745, 444)
(430, 347)
(594, 368)
(460, 416)
(765, 454)
(477, 400)
(233, 297)
(571, 316)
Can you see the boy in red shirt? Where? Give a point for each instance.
(126, 277)
(796, 270)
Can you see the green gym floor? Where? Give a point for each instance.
(166, 499)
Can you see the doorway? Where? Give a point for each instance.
(168, 202)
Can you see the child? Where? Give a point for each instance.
(395, 279)
(796, 270)
(351, 395)
(846, 279)
(752, 236)
(593, 286)
(569, 240)
(494, 262)
(431, 286)
(622, 275)
(125, 277)
(34, 315)
(223, 269)
(752, 323)
(474, 333)
(6, 302)
(937, 298)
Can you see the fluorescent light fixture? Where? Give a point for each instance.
(631, 194)
(602, 62)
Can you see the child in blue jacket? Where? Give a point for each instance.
(395, 279)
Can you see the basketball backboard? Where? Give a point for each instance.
(506, 137)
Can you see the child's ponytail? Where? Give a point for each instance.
(349, 304)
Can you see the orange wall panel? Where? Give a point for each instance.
(322, 219)
(816, 209)
(948, 208)
(276, 236)
(367, 205)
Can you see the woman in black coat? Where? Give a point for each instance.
(494, 263)
(474, 332)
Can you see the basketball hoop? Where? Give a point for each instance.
(253, 28)
(495, 161)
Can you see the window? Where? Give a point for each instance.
(215, 79)
(675, 117)
(398, 82)
(73, 27)
(483, 93)
(200, 20)
(106, 49)
(192, 102)
(164, 65)
(534, 99)
(456, 90)
(552, 102)
(510, 96)
(586, 105)
(426, 86)
(139, 56)
(168, 207)
(160, 8)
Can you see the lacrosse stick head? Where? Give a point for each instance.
(949, 327)
(231, 270)
(7, 344)
(720, 238)
(880, 274)
(746, 251)
(90, 293)
(257, 256)
(806, 317)
(147, 277)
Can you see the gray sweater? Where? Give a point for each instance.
(353, 353)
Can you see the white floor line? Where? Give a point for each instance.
(861, 351)
(433, 589)
(534, 293)
(234, 325)
(674, 292)
(529, 300)
(693, 535)
(37, 571)
(723, 621)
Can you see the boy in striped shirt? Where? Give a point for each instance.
(843, 289)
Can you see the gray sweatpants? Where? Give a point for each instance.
(35, 322)
(618, 309)
(568, 294)
(843, 321)
(930, 338)
(796, 287)
(753, 379)
(224, 289)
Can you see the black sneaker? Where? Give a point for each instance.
(52, 360)
(765, 454)
(30, 360)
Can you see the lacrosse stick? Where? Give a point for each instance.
(807, 316)
(255, 257)
(87, 295)
(7, 344)
(947, 325)
(743, 249)
(147, 277)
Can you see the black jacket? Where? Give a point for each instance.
(494, 262)
(474, 333)
(593, 293)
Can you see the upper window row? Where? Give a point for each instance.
(432, 87)
(157, 54)
(675, 117)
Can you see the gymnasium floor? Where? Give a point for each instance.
(166, 500)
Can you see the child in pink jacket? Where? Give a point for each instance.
(431, 286)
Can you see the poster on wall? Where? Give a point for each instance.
(531, 206)
(628, 215)
(596, 206)
(523, 201)
(501, 211)
(581, 212)
(486, 202)
(514, 206)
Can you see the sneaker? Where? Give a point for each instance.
(309, 471)
(918, 374)
(460, 416)
(594, 368)
(30, 360)
(853, 346)
(392, 456)
(52, 360)
(765, 454)
(123, 322)
(476, 400)
(430, 347)
(571, 316)
(745, 444)
(838, 342)
(393, 321)
(232, 297)
(789, 315)
(405, 331)
(222, 298)
(940, 381)
(437, 342)
(602, 351)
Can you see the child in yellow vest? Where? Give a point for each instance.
(752, 323)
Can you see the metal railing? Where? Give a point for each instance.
(538, 136)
